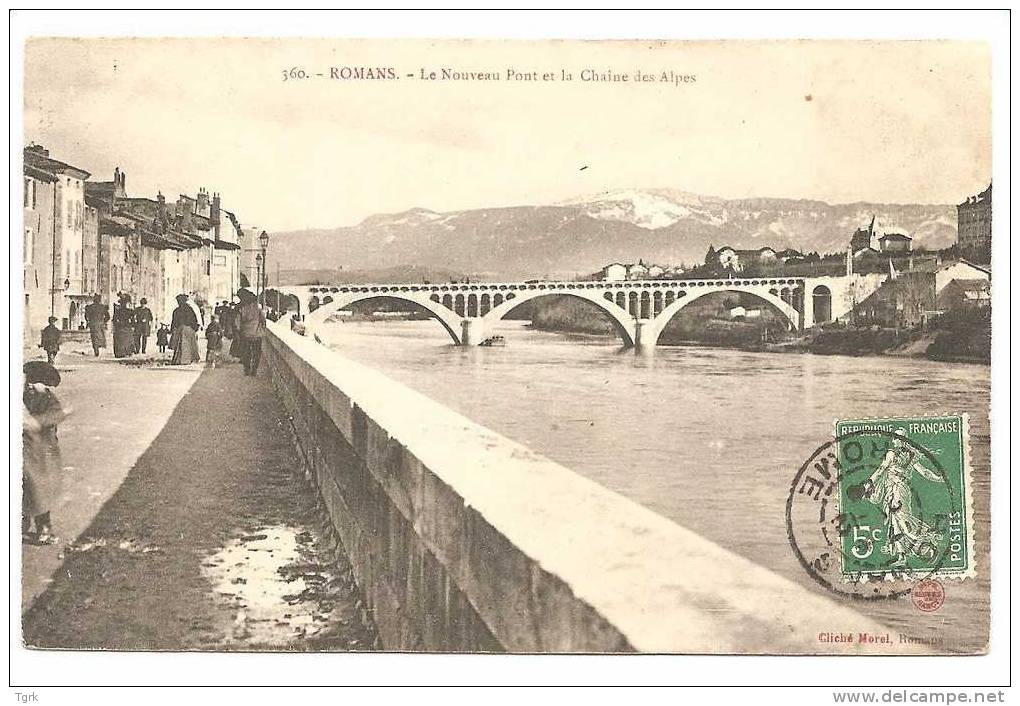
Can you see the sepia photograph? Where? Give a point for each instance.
(476, 345)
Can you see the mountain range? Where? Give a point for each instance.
(662, 226)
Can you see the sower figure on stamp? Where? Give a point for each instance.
(251, 324)
(889, 487)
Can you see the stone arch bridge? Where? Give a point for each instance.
(639, 309)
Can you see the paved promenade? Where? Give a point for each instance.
(186, 522)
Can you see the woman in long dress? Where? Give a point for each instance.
(42, 482)
(123, 328)
(183, 338)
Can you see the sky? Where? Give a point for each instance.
(838, 121)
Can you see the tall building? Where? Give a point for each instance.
(974, 226)
(38, 252)
(65, 270)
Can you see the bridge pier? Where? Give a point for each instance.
(472, 331)
(644, 336)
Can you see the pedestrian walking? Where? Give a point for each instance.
(183, 338)
(162, 337)
(42, 480)
(50, 340)
(251, 325)
(143, 326)
(96, 316)
(230, 330)
(213, 341)
(123, 327)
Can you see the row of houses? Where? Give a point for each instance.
(85, 237)
(926, 292)
(619, 272)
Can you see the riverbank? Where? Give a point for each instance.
(958, 337)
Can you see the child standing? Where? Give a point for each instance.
(50, 340)
(162, 337)
(214, 341)
(43, 467)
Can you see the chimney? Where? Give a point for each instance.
(202, 206)
(119, 179)
(214, 211)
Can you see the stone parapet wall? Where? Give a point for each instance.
(463, 540)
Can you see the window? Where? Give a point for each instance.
(29, 245)
(77, 263)
(28, 186)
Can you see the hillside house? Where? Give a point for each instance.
(895, 242)
(613, 272)
(964, 293)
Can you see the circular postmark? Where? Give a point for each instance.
(928, 595)
(867, 514)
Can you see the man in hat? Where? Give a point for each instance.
(143, 325)
(251, 325)
(50, 340)
(43, 467)
(96, 315)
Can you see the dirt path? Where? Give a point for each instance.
(213, 541)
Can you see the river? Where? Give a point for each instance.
(708, 437)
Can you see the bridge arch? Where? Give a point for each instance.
(658, 324)
(621, 321)
(821, 304)
(449, 320)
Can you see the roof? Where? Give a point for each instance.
(966, 262)
(40, 174)
(985, 197)
(895, 236)
(39, 158)
(972, 285)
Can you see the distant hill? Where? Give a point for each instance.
(657, 225)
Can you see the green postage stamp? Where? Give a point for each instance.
(905, 498)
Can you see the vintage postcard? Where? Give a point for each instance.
(526, 346)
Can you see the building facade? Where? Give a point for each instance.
(83, 238)
(38, 251)
(974, 226)
(67, 294)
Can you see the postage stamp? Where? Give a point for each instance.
(885, 505)
(910, 512)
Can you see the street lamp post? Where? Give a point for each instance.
(258, 275)
(264, 242)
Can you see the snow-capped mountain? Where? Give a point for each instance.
(579, 236)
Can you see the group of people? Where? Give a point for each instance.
(243, 323)
(132, 326)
